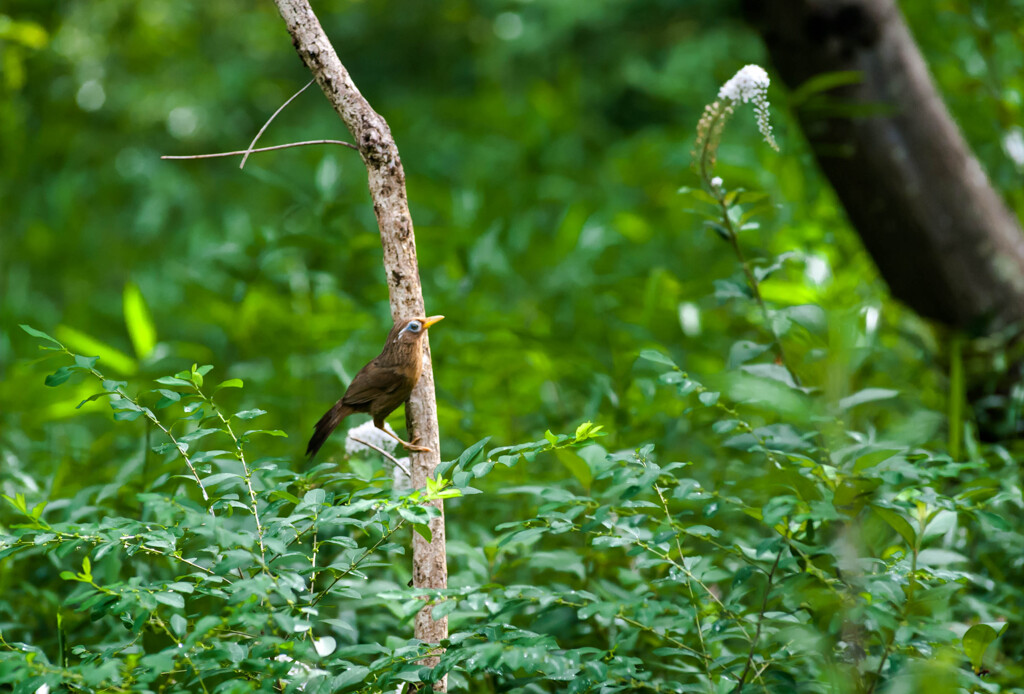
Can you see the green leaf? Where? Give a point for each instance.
(869, 460)
(414, 514)
(265, 432)
(898, 523)
(708, 398)
(469, 454)
(940, 557)
(60, 376)
(18, 502)
(249, 414)
(657, 357)
(423, 530)
(743, 351)
(171, 599)
(552, 439)
(866, 395)
(138, 321)
(465, 459)
(976, 641)
(810, 316)
(314, 497)
(40, 334)
(179, 625)
(230, 383)
(91, 398)
(173, 381)
(219, 477)
(443, 609)
(576, 465)
(86, 363)
(354, 674)
(589, 430)
(996, 521)
(774, 372)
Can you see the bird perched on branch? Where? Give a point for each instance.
(383, 384)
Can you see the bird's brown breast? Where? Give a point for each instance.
(385, 383)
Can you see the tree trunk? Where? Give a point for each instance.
(387, 188)
(941, 237)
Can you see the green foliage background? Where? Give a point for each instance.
(544, 144)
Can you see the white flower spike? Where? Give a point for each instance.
(750, 86)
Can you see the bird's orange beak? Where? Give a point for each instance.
(427, 322)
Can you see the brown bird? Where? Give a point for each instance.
(383, 384)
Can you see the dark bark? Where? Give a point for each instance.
(941, 236)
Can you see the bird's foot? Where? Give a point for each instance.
(413, 447)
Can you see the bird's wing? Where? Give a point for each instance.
(372, 382)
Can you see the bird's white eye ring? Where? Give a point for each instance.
(414, 327)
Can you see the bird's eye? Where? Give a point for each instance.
(414, 327)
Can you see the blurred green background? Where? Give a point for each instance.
(544, 144)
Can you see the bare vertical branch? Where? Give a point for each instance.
(387, 188)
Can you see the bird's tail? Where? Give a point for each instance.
(331, 419)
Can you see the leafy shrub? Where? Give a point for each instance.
(817, 543)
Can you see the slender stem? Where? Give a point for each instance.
(180, 447)
(240, 454)
(312, 561)
(305, 143)
(705, 658)
(269, 121)
(188, 659)
(755, 286)
(384, 453)
(633, 623)
(911, 588)
(689, 574)
(356, 562)
(760, 620)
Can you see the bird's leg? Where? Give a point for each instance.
(408, 446)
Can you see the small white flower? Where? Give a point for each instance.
(750, 86)
(716, 182)
(371, 434)
(400, 479)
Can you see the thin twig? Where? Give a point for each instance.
(755, 287)
(384, 453)
(145, 411)
(269, 121)
(760, 620)
(240, 455)
(705, 658)
(356, 562)
(262, 149)
(312, 561)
